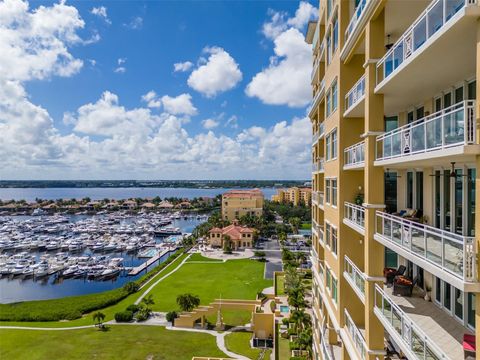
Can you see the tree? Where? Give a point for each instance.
(227, 244)
(147, 301)
(171, 316)
(301, 320)
(295, 222)
(188, 302)
(98, 318)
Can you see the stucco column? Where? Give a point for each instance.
(374, 183)
(477, 188)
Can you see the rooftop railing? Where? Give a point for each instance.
(356, 335)
(355, 94)
(452, 126)
(357, 14)
(413, 337)
(355, 214)
(355, 155)
(432, 19)
(452, 253)
(355, 277)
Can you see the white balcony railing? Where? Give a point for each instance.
(432, 19)
(316, 36)
(452, 126)
(315, 137)
(355, 277)
(355, 214)
(318, 229)
(355, 94)
(315, 68)
(319, 94)
(321, 130)
(327, 352)
(452, 253)
(356, 336)
(318, 165)
(321, 199)
(355, 155)
(413, 337)
(355, 18)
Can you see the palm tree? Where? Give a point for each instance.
(148, 300)
(98, 318)
(301, 320)
(295, 222)
(188, 302)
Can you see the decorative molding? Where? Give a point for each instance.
(370, 62)
(374, 278)
(372, 133)
(373, 206)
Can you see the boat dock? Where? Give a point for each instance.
(146, 264)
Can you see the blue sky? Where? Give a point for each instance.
(245, 86)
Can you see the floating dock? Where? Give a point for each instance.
(146, 264)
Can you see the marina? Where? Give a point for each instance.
(50, 256)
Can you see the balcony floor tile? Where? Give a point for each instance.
(443, 329)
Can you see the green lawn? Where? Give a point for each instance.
(284, 352)
(234, 279)
(87, 318)
(306, 226)
(239, 343)
(200, 257)
(280, 285)
(120, 342)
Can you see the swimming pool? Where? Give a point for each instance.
(284, 308)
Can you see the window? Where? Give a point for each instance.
(327, 191)
(334, 192)
(329, 8)
(334, 240)
(334, 96)
(410, 190)
(335, 33)
(329, 48)
(410, 117)
(391, 123)
(472, 90)
(459, 94)
(328, 147)
(334, 144)
(327, 233)
(420, 112)
(328, 104)
(438, 104)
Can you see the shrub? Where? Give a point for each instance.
(273, 306)
(124, 316)
(131, 287)
(133, 308)
(298, 357)
(171, 316)
(142, 314)
(294, 345)
(285, 321)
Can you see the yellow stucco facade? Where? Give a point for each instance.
(238, 203)
(395, 149)
(294, 195)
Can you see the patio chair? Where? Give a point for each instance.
(391, 273)
(469, 347)
(403, 286)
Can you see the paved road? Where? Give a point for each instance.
(274, 257)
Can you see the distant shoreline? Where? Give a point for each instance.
(193, 184)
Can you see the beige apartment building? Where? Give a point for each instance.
(395, 150)
(294, 195)
(237, 203)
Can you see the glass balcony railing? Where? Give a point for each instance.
(318, 229)
(450, 252)
(413, 337)
(357, 14)
(321, 130)
(327, 352)
(318, 165)
(432, 19)
(318, 96)
(355, 94)
(356, 336)
(452, 126)
(355, 155)
(316, 36)
(315, 68)
(355, 214)
(355, 277)
(315, 137)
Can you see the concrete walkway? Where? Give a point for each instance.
(161, 279)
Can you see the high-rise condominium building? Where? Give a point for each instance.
(395, 148)
(238, 203)
(294, 195)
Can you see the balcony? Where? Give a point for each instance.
(356, 24)
(321, 130)
(355, 278)
(316, 100)
(449, 256)
(315, 137)
(420, 328)
(319, 165)
(315, 68)
(356, 337)
(354, 100)
(355, 156)
(318, 230)
(354, 216)
(449, 132)
(444, 27)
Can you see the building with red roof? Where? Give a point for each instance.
(240, 236)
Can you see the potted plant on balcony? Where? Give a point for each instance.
(359, 199)
(428, 291)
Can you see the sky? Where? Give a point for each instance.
(155, 89)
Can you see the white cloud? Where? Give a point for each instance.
(219, 74)
(152, 100)
(232, 122)
(135, 23)
(120, 69)
(286, 81)
(101, 12)
(34, 45)
(182, 104)
(182, 67)
(210, 124)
